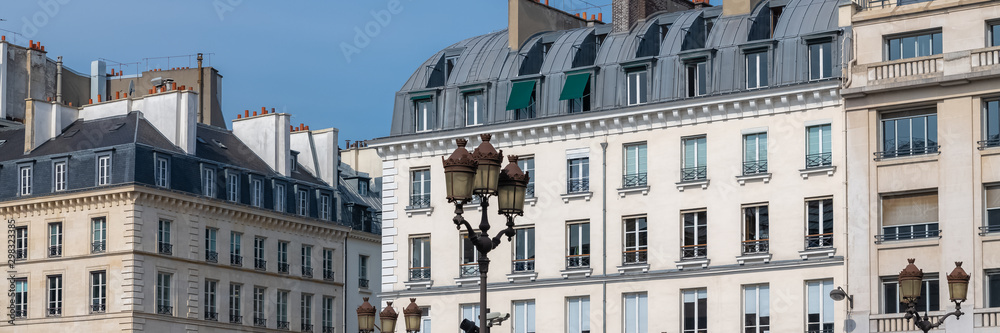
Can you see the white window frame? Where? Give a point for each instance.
(580, 306)
(279, 197)
(637, 87)
(324, 206)
(305, 309)
(282, 254)
(527, 165)
(422, 109)
(212, 296)
(258, 248)
(25, 172)
(424, 259)
(56, 237)
(759, 57)
(525, 239)
(327, 312)
(328, 260)
(163, 289)
(20, 297)
(212, 239)
(699, 69)
(306, 256)
(640, 158)
(822, 61)
(99, 230)
(640, 302)
(235, 244)
(580, 239)
(54, 294)
(756, 302)
(822, 302)
(259, 302)
(163, 231)
(256, 192)
(59, 175)
(103, 169)
(638, 235)
(232, 186)
(363, 267)
(282, 306)
(524, 316)
(696, 296)
(99, 290)
(760, 155)
(208, 181)
(235, 299)
(303, 202)
(21, 241)
(478, 108)
(469, 310)
(162, 171)
(756, 230)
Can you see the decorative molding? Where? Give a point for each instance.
(766, 177)
(644, 268)
(514, 277)
(569, 196)
(584, 271)
(762, 257)
(623, 191)
(426, 284)
(684, 264)
(703, 183)
(828, 170)
(411, 211)
(461, 281)
(812, 253)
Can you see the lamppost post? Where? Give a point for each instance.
(910, 282)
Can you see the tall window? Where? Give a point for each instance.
(756, 65)
(524, 316)
(211, 300)
(695, 164)
(20, 298)
(235, 248)
(579, 175)
(162, 172)
(164, 305)
(420, 259)
(993, 289)
(55, 240)
(819, 146)
(59, 175)
(695, 235)
(909, 216)
(470, 312)
(324, 207)
(98, 291)
(909, 133)
(754, 153)
(363, 271)
(258, 254)
(912, 46)
(305, 312)
(991, 123)
(820, 61)
(54, 285)
(424, 110)
(256, 192)
(930, 295)
(327, 264)
(634, 174)
(98, 235)
(163, 245)
(327, 310)
(282, 257)
(578, 251)
(420, 188)
(819, 223)
(994, 34)
(235, 305)
(425, 320)
(696, 78)
(756, 308)
(527, 165)
(819, 311)
(577, 92)
(695, 311)
(578, 314)
(755, 229)
(211, 237)
(25, 180)
(992, 209)
(470, 257)
(258, 307)
(638, 80)
(307, 258)
(303, 197)
(635, 241)
(524, 250)
(104, 170)
(20, 243)
(636, 313)
(208, 182)
(282, 309)
(475, 108)
(279, 198)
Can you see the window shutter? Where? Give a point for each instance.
(909, 209)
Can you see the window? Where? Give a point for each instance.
(696, 78)
(819, 316)
(99, 235)
(930, 295)
(524, 250)
(211, 300)
(98, 291)
(909, 216)
(20, 298)
(578, 314)
(307, 258)
(235, 299)
(208, 182)
(235, 248)
(424, 109)
(305, 312)
(324, 207)
(992, 223)
(450, 63)
(425, 319)
(635, 165)
(635, 313)
(233, 184)
(819, 223)
(327, 310)
(303, 197)
(756, 309)
(578, 253)
(576, 91)
(993, 289)
(163, 238)
(637, 82)
(470, 258)
(258, 254)
(104, 170)
(991, 121)
(754, 154)
(524, 316)
(820, 61)
(55, 240)
(258, 307)
(579, 175)
(282, 257)
(59, 175)
(527, 165)
(162, 172)
(420, 189)
(470, 312)
(695, 311)
(819, 146)
(523, 99)
(994, 34)
(695, 235)
(635, 241)
(475, 108)
(164, 306)
(256, 192)
(420, 259)
(25, 180)
(279, 198)
(755, 229)
(54, 285)
(694, 167)
(756, 65)
(20, 243)
(282, 306)
(328, 264)
(912, 46)
(909, 133)
(363, 187)
(363, 271)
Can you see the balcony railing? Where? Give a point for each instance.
(577, 261)
(695, 173)
(327, 275)
(98, 247)
(896, 323)
(907, 152)
(989, 229)
(989, 143)
(55, 251)
(363, 283)
(755, 246)
(904, 232)
(873, 4)
(259, 322)
(829, 330)
(282, 325)
(986, 57)
(165, 248)
(634, 257)
(577, 185)
(212, 256)
(694, 251)
(420, 273)
(819, 160)
(523, 265)
(98, 308)
(236, 319)
(754, 167)
(260, 264)
(328, 329)
(634, 180)
(987, 318)
(470, 269)
(819, 241)
(236, 260)
(20, 313)
(306, 327)
(282, 267)
(53, 312)
(901, 68)
(20, 254)
(164, 309)
(213, 316)
(530, 191)
(307, 272)
(420, 200)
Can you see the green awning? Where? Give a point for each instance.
(520, 95)
(575, 84)
(419, 97)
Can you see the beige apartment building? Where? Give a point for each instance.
(923, 160)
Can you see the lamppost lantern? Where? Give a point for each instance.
(958, 283)
(513, 185)
(910, 281)
(366, 317)
(488, 171)
(460, 173)
(388, 318)
(411, 314)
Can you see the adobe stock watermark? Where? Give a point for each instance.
(49, 10)
(363, 35)
(224, 6)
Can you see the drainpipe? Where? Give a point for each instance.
(347, 312)
(604, 231)
(201, 93)
(59, 70)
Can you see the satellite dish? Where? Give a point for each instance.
(131, 86)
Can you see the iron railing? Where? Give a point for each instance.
(872, 4)
(307, 272)
(523, 265)
(633, 257)
(98, 308)
(53, 312)
(634, 180)
(328, 329)
(578, 261)
(327, 275)
(282, 267)
(20, 313)
(98, 247)
(694, 251)
(259, 322)
(164, 309)
(420, 200)
(577, 185)
(695, 173)
(236, 319)
(213, 316)
(755, 246)
(927, 231)
(236, 260)
(212, 256)
(993, 142)
(819, 160)
(819, 241)
(55, 251)
(306, 327)
(529, 192)
(362, 283)
(282, 325)
(934, 149)
(828, 330)
(470, 269)
(260, 264)
(20, 254)
(987, 229)
(420, 273)
(165, 248)
(754, 167)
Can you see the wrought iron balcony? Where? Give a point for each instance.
(988, 229)
(260, 264)
(165, 248)
(236, 319)
(282, 325)
(363, 283)
(164, 310)
(901, 152)
(695, 173)
(20, 313)
(755, 246)
(328, 329)
(236, 260)
(754, 167)
(874, 4)
(989, 143)
(420, 200)
(55, 251)
(212, 256)
(98, 308)
(328, 275)
(529, 192)
(259, 322)
(694, 251)
(98, 247)
(306, 327)
(420, 273)
(282, 267)
(307, 272)
(634, 257)
(20, 254)
(829, 330)
(213, 316)
(918, 231)
(634, 180)
(819, 241)
(469, 269)
(53, 312)
(577, 261)
(523, 265)
(577, 185)
(819, 160)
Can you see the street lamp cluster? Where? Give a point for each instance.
(388, 317)
(910, 282)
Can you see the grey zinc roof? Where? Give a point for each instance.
(486, 62)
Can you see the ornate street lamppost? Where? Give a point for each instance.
(388, 317)
(910, 282)
(479, 174)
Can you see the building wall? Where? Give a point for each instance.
(363, 160)
(356, 246)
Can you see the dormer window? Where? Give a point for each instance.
(756, 69)
(638, 82)
(820, 60)
(233, 186)
(25, 179)
(449, 65)
(295, 161)
(59, 175)
(775, 14)
(522, 100)
(423, 108)
(475, 108)
(696, 78)
(363, 187)
(162, 171)
(208, 182)
(577, 92)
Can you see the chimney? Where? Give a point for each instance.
(268, 136)
(45, 120)
(174, 114)
(317, 152)
(626, 13)
(525, 18)
(738, 7)
(98, 79)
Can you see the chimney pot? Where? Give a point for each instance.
(99, 97)
(239, 116)
(263, 109)
(118, 95)
(247, 112)
(70, 103)
(600, 17)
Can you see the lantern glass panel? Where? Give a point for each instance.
(909, 290)
(459, 185)
(366, 322)
(413, 323)
(487, 177)
(388, 324)
(958, 290)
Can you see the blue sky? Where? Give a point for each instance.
(287, 55)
